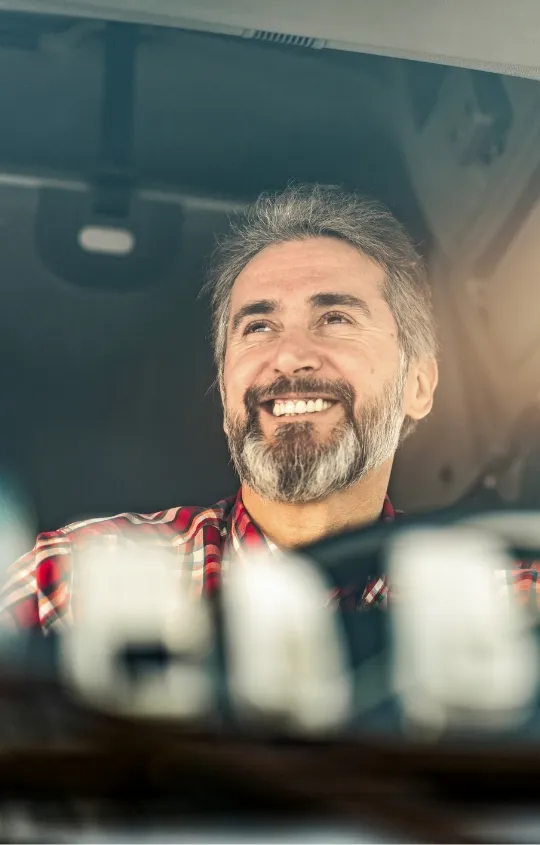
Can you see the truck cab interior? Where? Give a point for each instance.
(126, 146)
(131, 134)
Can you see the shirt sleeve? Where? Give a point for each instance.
(37, 589)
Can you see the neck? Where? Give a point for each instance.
(289, 525)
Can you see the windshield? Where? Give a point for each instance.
(270, 333)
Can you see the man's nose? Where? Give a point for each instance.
(296, 354)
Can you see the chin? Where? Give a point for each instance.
(291, 431)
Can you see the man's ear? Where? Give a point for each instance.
(421, 384)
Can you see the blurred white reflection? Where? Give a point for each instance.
(140, 646)
(18, 524)
(286, 649)
(464, 651)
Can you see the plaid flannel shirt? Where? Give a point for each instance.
(38, 591)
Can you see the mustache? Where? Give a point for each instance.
(337, 389)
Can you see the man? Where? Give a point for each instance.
(326, 357)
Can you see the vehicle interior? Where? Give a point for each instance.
(131, 136)
(162, 133)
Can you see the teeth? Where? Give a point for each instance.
(289, 408)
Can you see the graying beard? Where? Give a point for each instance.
(307, 472)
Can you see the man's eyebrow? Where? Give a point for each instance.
(250, 309)
(344, 300)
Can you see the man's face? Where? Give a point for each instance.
(314, 382)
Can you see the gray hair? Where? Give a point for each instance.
(306, 211)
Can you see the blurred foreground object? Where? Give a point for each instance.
(18, 522)
(140, 645)
(273, 652)
(260, 702)
(462, 657)
(288, 663)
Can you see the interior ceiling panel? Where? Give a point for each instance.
(237, 112)
(488, 34)
(211, 113)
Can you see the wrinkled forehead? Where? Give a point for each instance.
(291, 273)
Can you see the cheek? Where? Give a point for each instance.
(237, 377)
(368, 376)
(362, 374)
(371, 365)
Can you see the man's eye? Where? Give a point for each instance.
(335, 317)
(258, 327)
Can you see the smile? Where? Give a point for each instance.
(291, 407)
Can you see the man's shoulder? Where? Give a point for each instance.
(182, 520)
(37, 589)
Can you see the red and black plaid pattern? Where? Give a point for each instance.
(41, 591)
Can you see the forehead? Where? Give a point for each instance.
(293, 271)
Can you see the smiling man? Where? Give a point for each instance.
(317, 377)
(326, 357)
